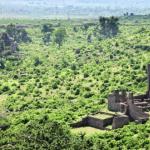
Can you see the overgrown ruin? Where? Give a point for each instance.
(126, 106)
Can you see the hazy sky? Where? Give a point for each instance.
(111, 3)
(44, 8)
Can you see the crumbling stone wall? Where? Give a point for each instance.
(120, 121)
(136, 113)
(82, 123)
(115, 99)
(142, 97)
(99, 123)
(93, 122)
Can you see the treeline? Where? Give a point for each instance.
(51, 34)
(108, 27)
(9, 41)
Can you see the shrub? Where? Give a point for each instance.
(88, 95)
(60, 35)
(37, 61)
(77, 91)
(5, 88)
(51, 136)
(86, 75)
(54, 85)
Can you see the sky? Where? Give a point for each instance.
(110, 3)
(42, 8)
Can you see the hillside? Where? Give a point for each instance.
(48, 84)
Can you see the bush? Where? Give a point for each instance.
(37, 61)
(88, 95)
(54, 85)
(86, 75)
(5, 88)
(50, 136)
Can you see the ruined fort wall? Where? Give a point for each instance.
(144, 96)
(120, 121)
(114, 107)
(99, 123)
(81, 123)
(136, 113)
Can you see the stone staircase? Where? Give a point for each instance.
(144, 105)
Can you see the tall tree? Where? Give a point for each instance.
(47, 38)
(109, 26)
(47, 28)
(60, 35)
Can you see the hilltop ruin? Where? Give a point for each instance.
(126, 107)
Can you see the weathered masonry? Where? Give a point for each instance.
(95, 121)
(135, 107)
(127, 106)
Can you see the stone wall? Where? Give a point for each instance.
(96, 123)
(113, 105)
(93, 122)
(136, 113)
(99, 123)
(115, 99)
(144, 96)
(120, 121)
(81, 123)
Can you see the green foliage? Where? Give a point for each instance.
(47, 38)
(17, 34)
(109, 26)
(37, 61)
(60, 35)
(47, 28)
(52, 136)
(46, 88)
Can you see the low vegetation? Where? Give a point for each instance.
(65, 72)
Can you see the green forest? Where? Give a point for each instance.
(54, 72)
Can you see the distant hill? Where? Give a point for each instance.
(72, 8)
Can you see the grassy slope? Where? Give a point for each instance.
(101, 67)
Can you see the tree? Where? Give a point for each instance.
(24, 36)
(60, 35)
(2, 45)
(47, 38)
(38, 135)
(18, 35)
(47, 28)
(6, 38)
(89, 38)
(109, 26)
(11, 30)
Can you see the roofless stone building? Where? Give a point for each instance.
(127, 108)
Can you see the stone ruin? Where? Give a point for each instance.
(127, 108)
(135, 107)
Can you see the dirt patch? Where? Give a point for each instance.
(87, 130)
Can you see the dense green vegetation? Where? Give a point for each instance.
(49, 87)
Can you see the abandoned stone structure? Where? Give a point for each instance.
(127, 106)
(93, 121)
(134, 107)
(115, 121)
